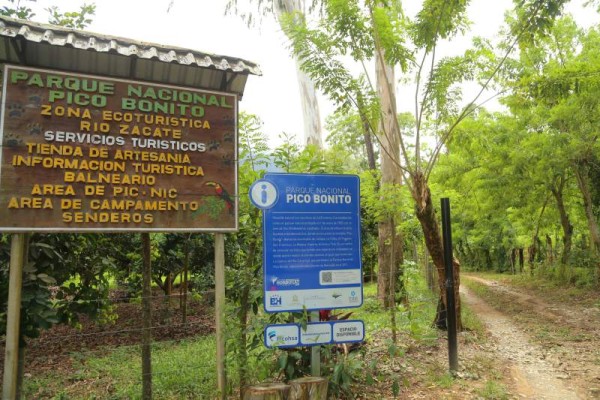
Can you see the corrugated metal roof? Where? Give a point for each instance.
(55, 47)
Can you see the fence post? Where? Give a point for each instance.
(147, 318)
(220, 312)
(13, 318)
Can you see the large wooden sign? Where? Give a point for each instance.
(90, 153)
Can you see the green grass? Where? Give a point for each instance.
(493, 391)
(371, 312)
(415, 318)
(472, 325)
(543, 331)
(186, 369)
(180, 370)
(437, 375)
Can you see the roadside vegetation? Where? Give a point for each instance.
(524, 192)
(378, 368)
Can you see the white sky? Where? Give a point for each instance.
(201, 25)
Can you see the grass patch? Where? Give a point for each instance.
(414, 318)
(371, 312)
(472, 324)
(542, 330)
(438, 376)
(182, 370)
(493, 391)
(186, 369)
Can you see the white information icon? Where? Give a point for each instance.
(263, 194)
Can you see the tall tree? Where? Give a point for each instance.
(557, 86)
(313, 132)
(390, 241)
(412, 46)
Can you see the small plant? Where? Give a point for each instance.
(345, 370)
(493, 391)
(294, 363)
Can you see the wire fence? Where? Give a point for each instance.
(101, 358)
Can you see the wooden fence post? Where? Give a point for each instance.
(147, 318)
(220, 312)
(13, 318)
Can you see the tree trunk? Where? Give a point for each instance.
(367, 135)
(366, 128)
(429, 270)
(391, 175)
(531, 253)
(186, 266)
(266, 391)
(392, 293)
(549, 250)
(513, 261)
(433, 239)
(521, 260)
(388, 276)
(565, 222)
(308, 95)
(582, 175)
(169, 284)
(308, 388)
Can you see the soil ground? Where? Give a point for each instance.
(53, 350)
(549, 344)
(536, 343)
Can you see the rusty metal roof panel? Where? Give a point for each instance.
(50, 46)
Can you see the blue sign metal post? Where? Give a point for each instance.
(311, 240)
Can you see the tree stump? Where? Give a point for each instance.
(267, 391)
(308, 388)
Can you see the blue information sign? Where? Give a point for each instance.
(312, 252)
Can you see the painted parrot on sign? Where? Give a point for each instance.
(223, 195)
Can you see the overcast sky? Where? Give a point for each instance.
(201, 25)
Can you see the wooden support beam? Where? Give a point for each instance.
(147, 318)
(220, 313)
(13, 318)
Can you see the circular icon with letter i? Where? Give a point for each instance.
(263, 194)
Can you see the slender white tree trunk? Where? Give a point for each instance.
(308, 94)
(390, 242)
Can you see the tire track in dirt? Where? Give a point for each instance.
(533, 376)
(585, 319)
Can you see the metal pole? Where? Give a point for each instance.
(13, 318)
(315, 351)
(220, 312)
(450, 300)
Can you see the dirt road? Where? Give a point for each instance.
(564, 364)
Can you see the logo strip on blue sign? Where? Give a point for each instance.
(315, 334)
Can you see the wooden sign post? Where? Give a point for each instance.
(11, 357)
(220, 313)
